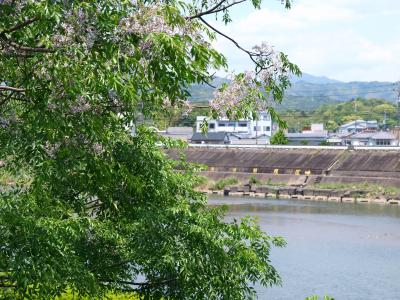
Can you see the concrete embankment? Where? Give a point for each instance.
(289, 192)
(305, 168)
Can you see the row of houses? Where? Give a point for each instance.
(241, 132)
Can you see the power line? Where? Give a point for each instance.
(339, 95)
(343, 88)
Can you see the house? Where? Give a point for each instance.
(236, 139)
(313, 136)
(358, 126)
(210, 138)
(243, 128)
(312, 139)
(371, 138)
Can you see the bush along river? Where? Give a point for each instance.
(344, 250)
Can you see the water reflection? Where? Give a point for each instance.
(350, 251)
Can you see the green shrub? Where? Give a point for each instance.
(304, 143)
(254, 180)
(279, 138)
(222, 183)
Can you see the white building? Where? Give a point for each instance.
(243, 128)
(380, 138)
(358, 126)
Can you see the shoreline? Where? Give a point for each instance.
(320, 198)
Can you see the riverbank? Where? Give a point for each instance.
(299, 193)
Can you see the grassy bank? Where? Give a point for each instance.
(371, 189)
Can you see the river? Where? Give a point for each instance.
(348, 251)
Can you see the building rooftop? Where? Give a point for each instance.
(179, 130)
(323, 134)
(361, 123)
(383, 135)
(380, 135)
(209, 136)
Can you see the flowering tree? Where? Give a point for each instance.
(103, 210)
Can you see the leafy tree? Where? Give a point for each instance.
(104, 210)
(279, 138)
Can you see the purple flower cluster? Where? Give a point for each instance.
(244, 89)
(146, 21)
(80, 106)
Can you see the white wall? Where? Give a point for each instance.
(254, 128)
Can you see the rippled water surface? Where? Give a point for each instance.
(349, 251)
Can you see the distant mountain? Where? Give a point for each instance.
(313, 79)
(309, 96)
(310, 92)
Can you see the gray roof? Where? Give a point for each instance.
(179, 130)
(209, 136)
(307, 135)
(380, 135)
(383, 135)
(362, 123)
(363, 135)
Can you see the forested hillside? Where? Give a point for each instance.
(310, 92)
(335, 114)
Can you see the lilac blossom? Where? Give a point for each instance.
(51, 149)
(80, 106)
(244, 90)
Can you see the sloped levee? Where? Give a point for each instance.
(262, 161)
(330, 163)
(370, 163)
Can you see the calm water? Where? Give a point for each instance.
(348, 251)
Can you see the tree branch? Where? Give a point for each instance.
(143, 284)
(30, 49)
(207, 12)
(249, 53)
(10, 88)
(215, 9)
(19, 26)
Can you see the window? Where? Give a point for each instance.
(383, 142)
(221, 124)
(267, 128)
(265, 117)
(257, 128)
(242, 124)
(211, 126)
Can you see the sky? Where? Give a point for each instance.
(347, 40)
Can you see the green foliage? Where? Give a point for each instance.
(254, 180)
(222, 183)
(113, 295)
(279, 138)
(335, 114)
(102, 210)
(304, 143)
(371, 189)
(315, 297)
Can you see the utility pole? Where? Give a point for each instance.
(355, 113)
(384, 120)
(398, 103)
(398, 113)
(257, 131)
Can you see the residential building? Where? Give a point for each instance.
(210, 138)
(313, 136)
(371, 138)
(242, 128)
(311, 139)
(236, 139)
(358, 126)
